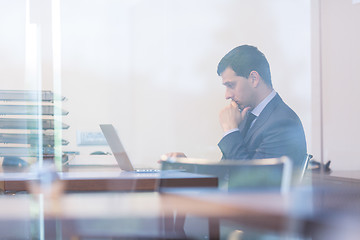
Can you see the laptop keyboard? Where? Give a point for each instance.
(147, 170)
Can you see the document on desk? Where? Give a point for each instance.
(93, 160)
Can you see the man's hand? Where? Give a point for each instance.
(230, 117)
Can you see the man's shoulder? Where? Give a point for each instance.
(281, 110)
(277, 117)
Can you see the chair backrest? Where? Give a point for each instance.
(299, 171)
(305, 164)
(233, 175)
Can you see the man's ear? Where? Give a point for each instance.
(254, 78)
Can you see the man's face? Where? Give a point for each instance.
(238, 88)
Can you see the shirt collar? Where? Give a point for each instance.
(258, 109)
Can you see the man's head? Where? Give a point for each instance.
(246, 75)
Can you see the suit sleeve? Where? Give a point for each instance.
(232, 146)
(282, 138)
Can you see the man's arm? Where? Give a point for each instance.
(286, 137)
(230, 117)
(232, 146)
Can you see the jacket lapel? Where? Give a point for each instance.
(263, 117)
(242, 124)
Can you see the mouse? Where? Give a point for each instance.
(100, 153)
(10, 161)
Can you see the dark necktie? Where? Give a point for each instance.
(250, 118)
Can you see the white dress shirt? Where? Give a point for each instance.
(256, 111)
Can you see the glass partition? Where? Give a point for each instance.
(149, 68)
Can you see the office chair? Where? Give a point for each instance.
(300, 170)
(252, 175)
(233, 175)
(305, 165)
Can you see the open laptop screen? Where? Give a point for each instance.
(116, 147)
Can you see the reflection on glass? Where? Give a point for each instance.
(27, 132)
(132, 63)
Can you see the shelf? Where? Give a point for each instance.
(25, 151)
(29, 96)
(33, 124)
(30, 110)
(24, 110)
(31, 138)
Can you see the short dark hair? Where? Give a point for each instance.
(243, 60)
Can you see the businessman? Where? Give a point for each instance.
(257, 123)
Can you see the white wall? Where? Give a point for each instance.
(149, 67)
(338, 53)
(12, 44)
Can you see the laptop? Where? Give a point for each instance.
(118, 150)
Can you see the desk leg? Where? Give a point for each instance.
(2, 186)
(214, 228)
(168, 223)
(173, 223)
(179, 225)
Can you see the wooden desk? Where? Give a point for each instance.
(302, 213)
(354, 175)
(101, 215)
(110, 179)
(145, 214)
(335, 178)
(139, 214)
(132, 214)
(264, 211)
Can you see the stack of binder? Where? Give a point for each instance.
(27, 124)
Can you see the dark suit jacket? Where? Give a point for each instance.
(276, 132)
